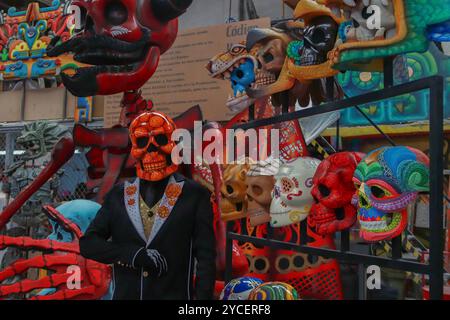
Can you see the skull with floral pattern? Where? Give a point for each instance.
(387, 180)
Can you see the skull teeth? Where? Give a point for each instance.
(373, 225)
(154, 166)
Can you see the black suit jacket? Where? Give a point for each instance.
(186, 240)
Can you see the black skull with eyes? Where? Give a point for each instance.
(319, 38)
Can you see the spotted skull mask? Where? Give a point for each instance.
(387, 181)
(152, 145)
(333, 190)
(292, 198)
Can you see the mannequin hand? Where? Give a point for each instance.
(153, 260)
(159, 262)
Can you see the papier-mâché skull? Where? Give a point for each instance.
(387, 181)
(333, 190)
(292, 198)
(152, 145)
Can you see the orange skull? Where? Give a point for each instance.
(152, 145)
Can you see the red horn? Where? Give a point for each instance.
(166, 10)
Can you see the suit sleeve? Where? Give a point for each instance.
(205, 249)
(95, 244)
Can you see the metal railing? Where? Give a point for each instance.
(435, 86)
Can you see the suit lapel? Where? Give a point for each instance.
(131, 198)
(171, 196)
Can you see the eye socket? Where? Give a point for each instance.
(230, 189)
(240, 74)
(268, 57)
(161, 139)
(257, 190)
(377, 192)
(324, 190)
(318, 36)
(237, 49)
(142, 142)
(116, 13)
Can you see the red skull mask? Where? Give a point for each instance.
(333, 191)
(123, 40)
(152, 145)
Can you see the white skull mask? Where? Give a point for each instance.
(292, 199)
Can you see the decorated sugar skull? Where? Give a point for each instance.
(272, 291)
(292, 198)
(333, 190)
(239, 289)
(152, 145)
(123, 40)
(387, 181)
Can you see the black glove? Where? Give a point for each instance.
(151, 259)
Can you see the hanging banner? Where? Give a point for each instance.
(182, 80)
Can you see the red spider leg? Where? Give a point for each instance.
(61, 153)
(45, 244)
(43, 261)
(63, 221)
(25, 286)
(67, 294)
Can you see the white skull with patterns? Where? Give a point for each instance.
(292, 199)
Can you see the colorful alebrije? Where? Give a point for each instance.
(293, 51)
(388, 180)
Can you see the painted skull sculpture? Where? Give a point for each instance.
(254, 65)
(260, 183)
(387, 180)
(240, 288)
(152, 145)
(292, 198)
(234, 200)
(308, 59)
(122, 40)
(333, 191)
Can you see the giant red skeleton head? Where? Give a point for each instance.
(123, 40)
(333, 191)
